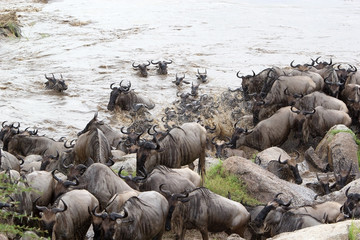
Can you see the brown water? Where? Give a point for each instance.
(93, 44)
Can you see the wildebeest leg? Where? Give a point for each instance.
(204, 234)
(182, 234)
(201, 166)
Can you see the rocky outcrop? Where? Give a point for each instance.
(335, 231)
(336, 152)
(263, 185)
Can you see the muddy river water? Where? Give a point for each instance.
(93, 43)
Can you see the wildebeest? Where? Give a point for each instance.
(24, 145)
(160, 175)
(181, 146)
(206, 211)
(143, 217)
(272, 131)
(326, 212)
(126, 99)
(322, 119)
(293, 84)
(179, 80)
(69, 218)
(351, 207)
(275, 218)
(142, 68)
(162, 66)
(104, 186)
(202, 76)
(8, 161)
(55, 84)
(287, 170)
(315, 99)
(113, 137)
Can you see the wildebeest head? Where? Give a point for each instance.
(292, 97)
(293, 167)
(8, 131)
(321, 65)
(304, 67)
(48, 216)
(239, 134)
(172, 199)
(133, 182)
(109, 224)
(220, 146)
(162, 66)
(92, 124)
(258, 222)
(62, 186)
(202, 76)
(180, 79)
(247, 83)
(351, 207)
(324, 183)
(144, 153)
(332, 82)
(343, 73)
(194, 90)
(142, 68)
(97, 219)
(343, 177)
(132, 139)
(116, 91)
(56, 84)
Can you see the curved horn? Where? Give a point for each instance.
(294, 111)
(347, 191)
(237, 74)
(103, 215)
(122, 176)
(253, 73)
(55, 177)
(278, 194)
(3, 124)
(110, 162)
(56, 210)
(115, 216)
(111, 86)
(285, 162)
(135, 66)
(155, 62)
(148, 63)
(64, 166)
(287, 204)
(168, 62)
(291, 64)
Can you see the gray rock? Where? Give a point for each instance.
(263, 185)
(335, 231)
(235, 236)
(337, 151)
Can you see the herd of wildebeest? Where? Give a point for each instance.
(74, 188)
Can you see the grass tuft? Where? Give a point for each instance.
(354, 232)
(222, 183)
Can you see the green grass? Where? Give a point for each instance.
(354, 232)
(221, 182)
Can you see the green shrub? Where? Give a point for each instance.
(222, 183)
(9, 218)
(354, 232)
